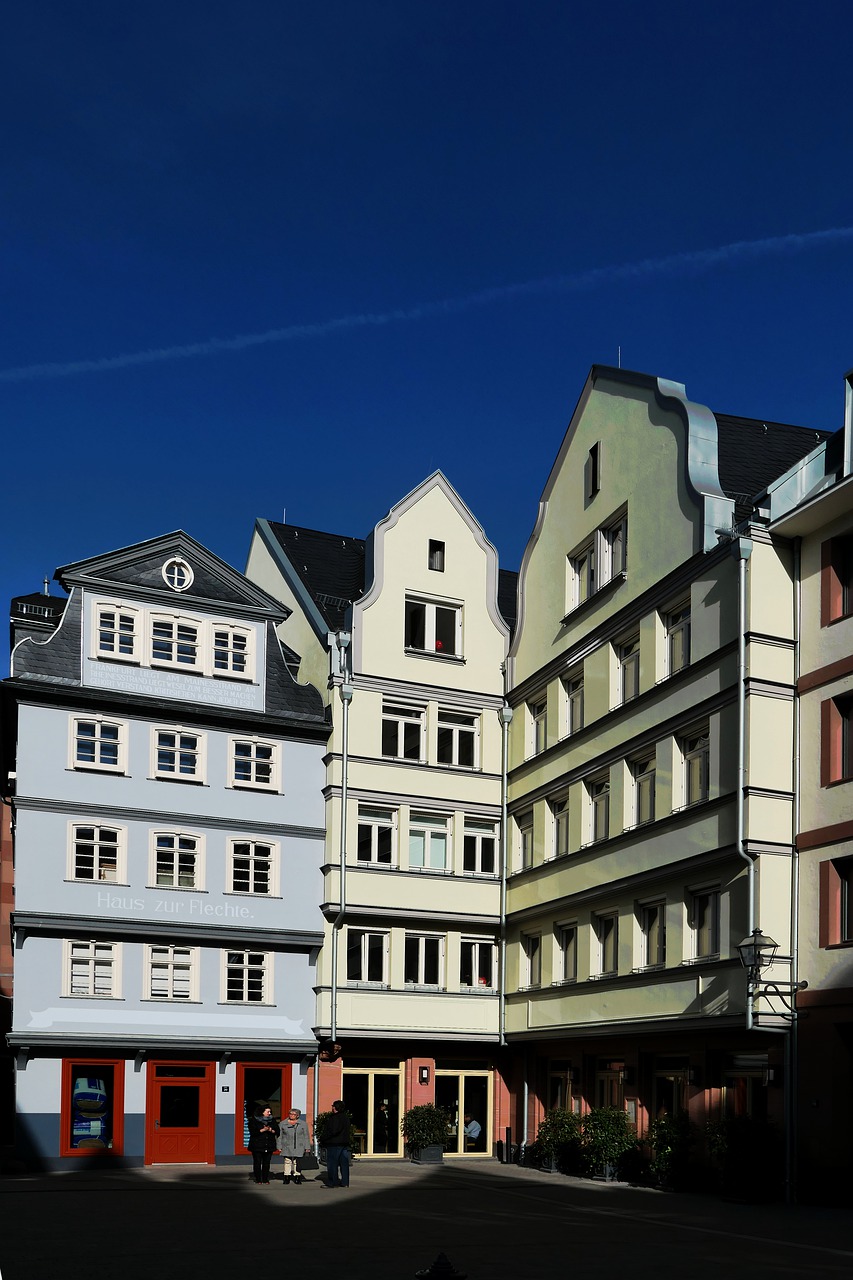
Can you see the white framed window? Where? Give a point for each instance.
(97, 854)
(607, 936)
(423, 961)
(531, 950)
(677, 624)
(91, 969)
(253, 867)
(232, 651)
(479, 851)
(254, 763)
(247, 977)
(628, 656)
(537, 710)
(429, 841)
(582, 566)
(177, 574)
(615, 548)
(477, 964)
(567, 952)
(559, 807)
(171, 972)
(434, 627)
(178, 755)
(435, 559)
(116, 631)
(524, 837)
(99, 744)
(653, 929)
(695, 750)
(601, 559)
(458, 738)
(644, 772)
(704, 922)
(402, 732)
(573, 692)
(175, 642)
(367, 956)
(598, 790)
(176, 860)
(377, 836)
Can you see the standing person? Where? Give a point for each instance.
(293, 1142)
(382, 1128)
(336, 1141)
(263, 1132)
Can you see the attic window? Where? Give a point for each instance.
(436, 555)
(592, 473)
(177, 574)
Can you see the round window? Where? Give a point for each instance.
(177, 574)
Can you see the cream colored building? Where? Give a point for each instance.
(651, 782)
(811, 507)
(406, 633)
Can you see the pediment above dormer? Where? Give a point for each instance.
(172, 568)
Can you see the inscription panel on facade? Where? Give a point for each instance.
(149, 683)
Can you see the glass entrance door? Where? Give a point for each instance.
(466, 1096)
(373, 1100)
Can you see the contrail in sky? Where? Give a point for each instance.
(697, 260)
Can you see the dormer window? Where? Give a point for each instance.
(436, 555)
(117, 632)
(177, 574)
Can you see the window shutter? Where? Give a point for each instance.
(831, 578)
(829, 912)
(831, 742)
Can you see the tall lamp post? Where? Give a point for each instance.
(757, 952)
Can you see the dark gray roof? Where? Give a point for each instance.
(38, 606)
(331, 568)
(753, 452)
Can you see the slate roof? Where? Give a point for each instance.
(752, 453)
(331, 568)
(38, 606)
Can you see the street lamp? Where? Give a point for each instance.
(757, 953)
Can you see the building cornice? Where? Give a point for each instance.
(123, 813)
(26, 923)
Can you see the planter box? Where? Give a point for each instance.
(429, 1155)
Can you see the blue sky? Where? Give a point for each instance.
(177, 175)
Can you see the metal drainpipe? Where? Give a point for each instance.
(505, 715)
(341, 640)
(743, 550)
(792, 1072)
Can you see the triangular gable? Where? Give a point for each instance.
(139, 570)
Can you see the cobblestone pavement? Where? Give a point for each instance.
(491, 1221)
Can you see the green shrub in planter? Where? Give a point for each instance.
(671, 1139)
(559, 1141)
(425, 1126)
(608, 1136)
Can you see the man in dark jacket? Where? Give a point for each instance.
(336, 1141)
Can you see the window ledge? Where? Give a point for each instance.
(600, 592)
(603, 977)
(441, 657)
(713, 958)
(177, 888)
(565, 982)
(69, 996)
(477, 991)
(101, 884)
(368, 986)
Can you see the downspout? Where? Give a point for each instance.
(792, 1072)
(743, 550)
(345, 689)
(505, 715)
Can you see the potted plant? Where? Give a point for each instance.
(426, 1130)
(608, 1136)
(671, 1139)
(558, 1142)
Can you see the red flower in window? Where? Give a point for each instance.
(439, 644)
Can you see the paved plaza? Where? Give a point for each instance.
(491, 1221)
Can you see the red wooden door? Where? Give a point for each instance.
(180, 1114)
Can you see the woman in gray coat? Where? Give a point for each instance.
(293, 1142)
